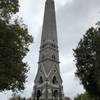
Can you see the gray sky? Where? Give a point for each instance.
(74, 17)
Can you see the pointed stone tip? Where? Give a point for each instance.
(49, 0)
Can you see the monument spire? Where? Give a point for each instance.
(48, 82)
(49, 32)
(49, 42)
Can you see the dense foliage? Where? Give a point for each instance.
(8, 7)
(87, 56)
(85, 96)
(14, 42)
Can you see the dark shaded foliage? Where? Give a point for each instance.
(8, 7)
(87, 61)
(86, 96)
(14, 42)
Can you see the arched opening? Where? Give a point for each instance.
(39, 94)
(41, 80)
(54, 80)
(55, 94)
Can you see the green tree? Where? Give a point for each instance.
(87, 61)
(78, 97)
(84, 96)
(14, 42)
(8, 8)
(97, 70)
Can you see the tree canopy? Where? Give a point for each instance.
(87, 61)
(84, 96)
(14, 42)
(8, 8)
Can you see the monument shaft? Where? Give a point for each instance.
(48, 82)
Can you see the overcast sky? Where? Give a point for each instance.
(74, 17)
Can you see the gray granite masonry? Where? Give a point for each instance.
(48, 82)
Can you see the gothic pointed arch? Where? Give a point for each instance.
(55, 95)
(39, 94)
(54, 80)
(54, 75)
(41, 75)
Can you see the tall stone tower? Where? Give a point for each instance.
(48, 82)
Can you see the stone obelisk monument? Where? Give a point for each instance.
(48, 82)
